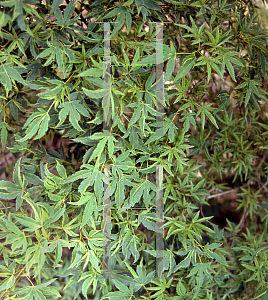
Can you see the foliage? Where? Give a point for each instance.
(212, 145)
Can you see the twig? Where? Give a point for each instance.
(201, 210)
(242, 221)
(16, 280)
(223, 193)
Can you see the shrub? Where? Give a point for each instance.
(169, 136)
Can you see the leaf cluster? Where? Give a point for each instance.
(202, 140)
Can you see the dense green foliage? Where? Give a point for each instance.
(213, 145)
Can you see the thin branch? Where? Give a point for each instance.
(242, 222)
(223, 193)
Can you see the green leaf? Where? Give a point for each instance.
(3, 135)
(68, 12)
(30, 224)
(54, 5)
(7, 283)
(131, 270)
(263, 63)
(93, 72)
(135, 194)
(184, 263)
(87, 213)
(136, 115)
(17, 175)
(248, 94)
(38, 121)
(97, 94)
(99, 149)
(217, 257)
(113, 13)
(73, 109)
(119, 22)
(77, 175)
(9, 190)
(13, 74)
(185, 67)
(231, 70)
(120, 193)
(170, 68)
(147, 60)
(128, 21)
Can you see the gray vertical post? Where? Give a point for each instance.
(159, 169)
(107, 126)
